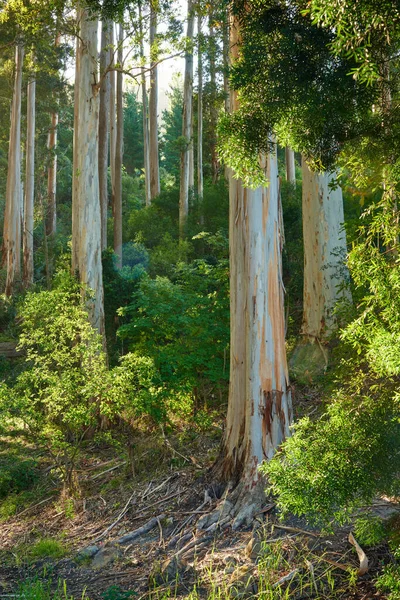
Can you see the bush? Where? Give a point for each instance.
(59, 395)
(16, 474)
(183, 325)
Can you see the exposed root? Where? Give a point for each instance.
(238, 508)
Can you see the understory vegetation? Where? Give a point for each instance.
(200, 324)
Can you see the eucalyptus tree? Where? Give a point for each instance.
(199, 108)
(104, 125)
(117, 200)
(51, 213)
(86, 220)
(259, 405)
(13, 210)
(27, 230)
(290, 165)
(153, 104)
(186, 121)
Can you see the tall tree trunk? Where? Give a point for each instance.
(12, 214)
(324, 253)
(153, 107)
(104, 110)
(86, 226)
(117, 206)
(290, 165)
(213, 100)
(186, 123)
(225, 56)
(191, 156)
(27, 235)
(259, 405)
(146, 141)
(199, 112)
(113, 114)
(51, 215)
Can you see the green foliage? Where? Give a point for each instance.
(114, 592)
(16, 474)
(389, 580)
(370, 530)
(133, 134)
(58, 396)
(341, 461)
(184, 326)
(41, 590)
(47, 548)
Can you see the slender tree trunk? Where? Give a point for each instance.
(153, 107)
(290, 165)
(213, 101)
(113, 114)
(259, 405)
(324, 253)
(191, 156)
(104, 110)
(12, 215)
(186, 124)
(86, 226)
(225, 55)
(146, 141)
(51, 215)
(199, 112)
(27, 235)
(117, 206)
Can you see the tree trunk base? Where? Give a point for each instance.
(238, 508)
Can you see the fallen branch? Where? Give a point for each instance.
(129, 537)
(107, 471)
(118, 519)
(34, 506)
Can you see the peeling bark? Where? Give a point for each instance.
(86, 226)
(27, 231)
(259, 406)
(12, 215)
(186, 124)
(324, 253)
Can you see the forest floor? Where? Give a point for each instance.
(81, 541)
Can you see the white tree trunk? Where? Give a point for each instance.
(191, 156)
(325, 251)
(51, 216)
(259, 405)
(213, 101)
(113, 114)
(86, 226)
(104, 110)
(27, 235)
(12, 214)
(117, 206)
(146, 141)
(290, 165)
(199, 112)
(153, 109)
(186, 124)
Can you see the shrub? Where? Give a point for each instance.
(16, 474)
(60, 393)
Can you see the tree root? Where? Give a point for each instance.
(238, 508)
